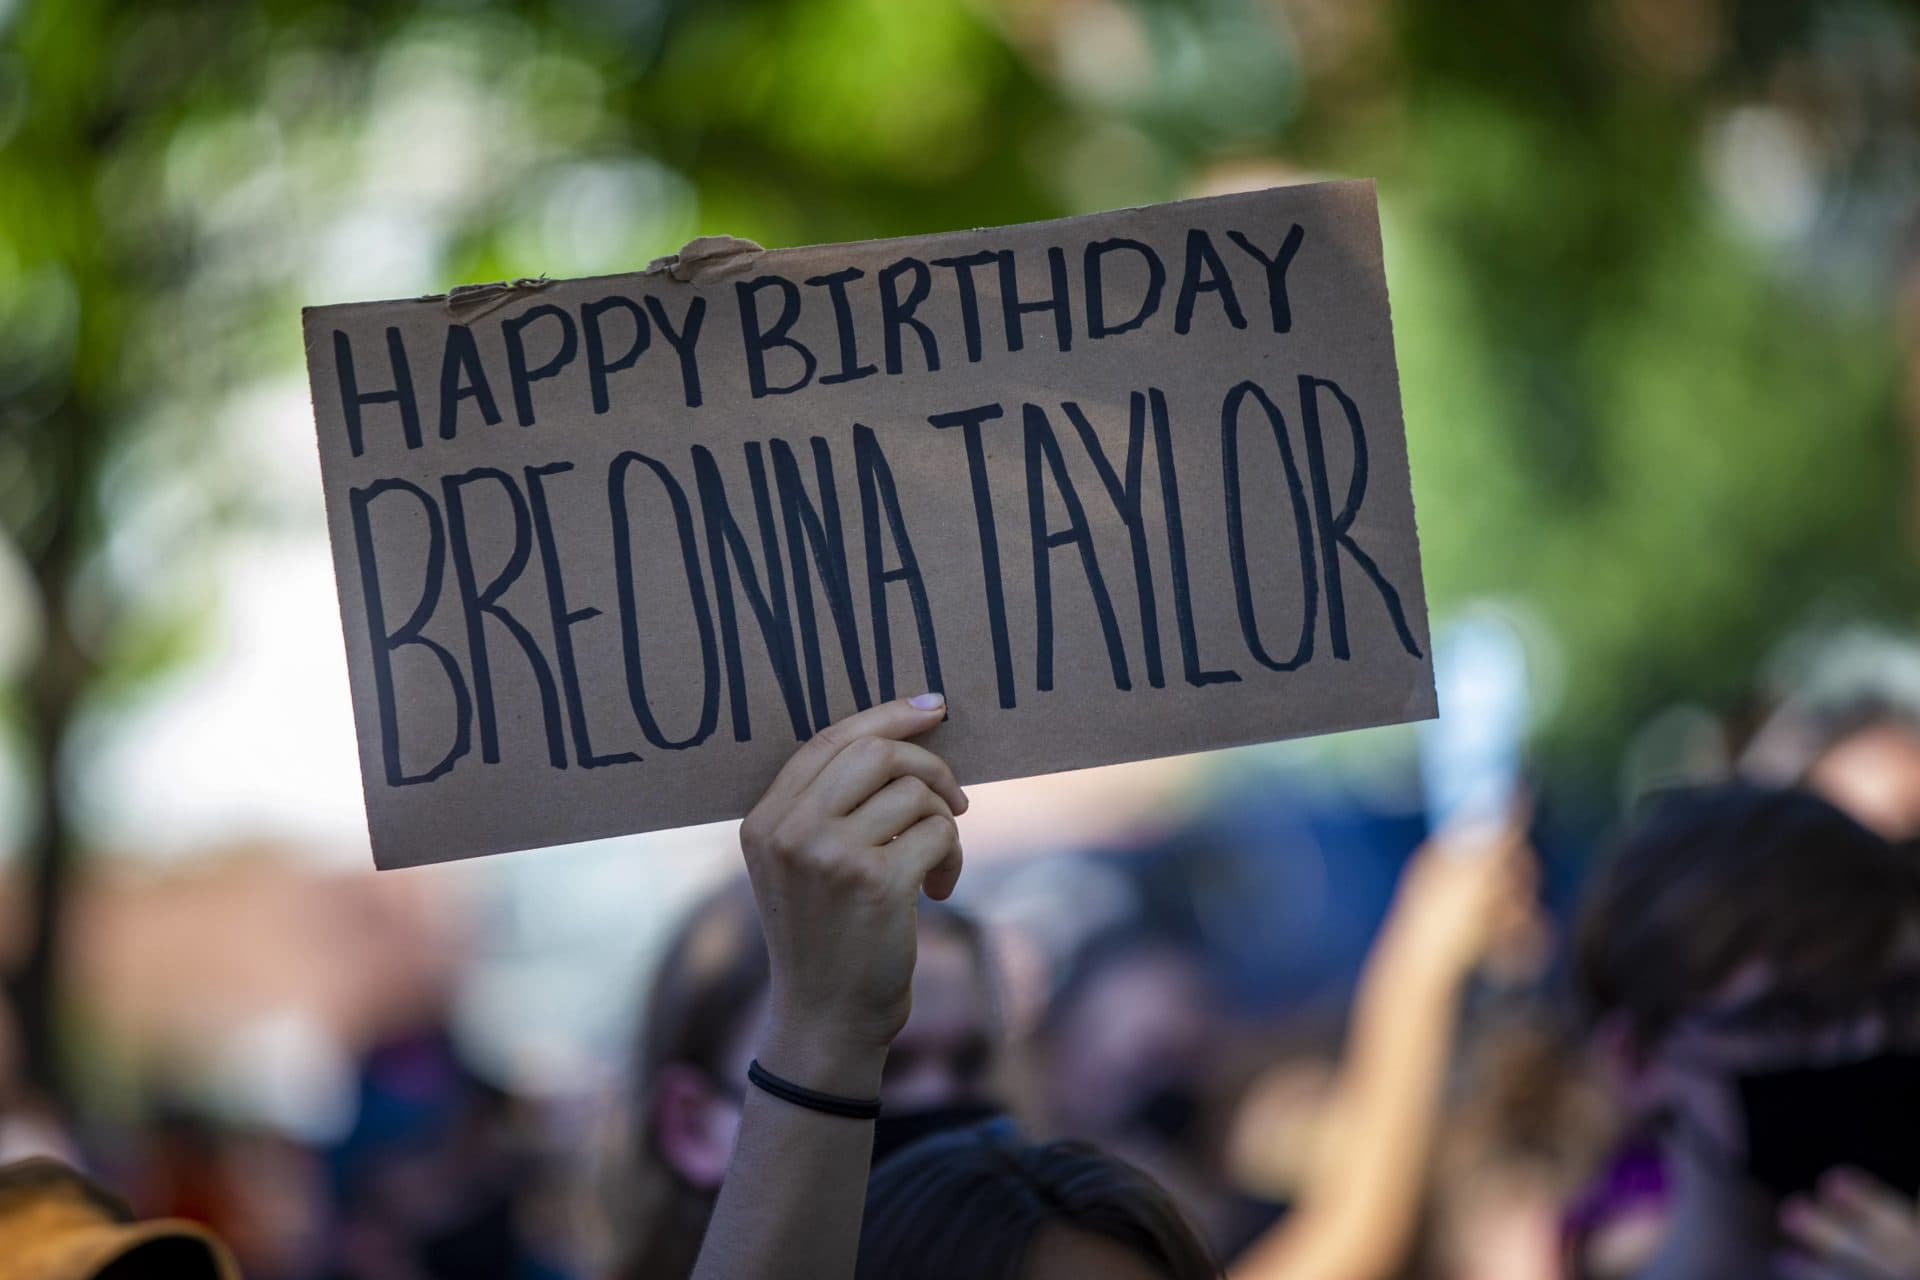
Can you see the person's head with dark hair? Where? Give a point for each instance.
(1750, 959)
(1125, 1038)
(696, 1034)
(1862, 752)
(699, 1025)
(1868, 763)
(976, 1204)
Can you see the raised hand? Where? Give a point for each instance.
(1854, 1228)
(1468, 897)
(839, 848)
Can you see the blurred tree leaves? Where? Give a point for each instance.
(1670, 442)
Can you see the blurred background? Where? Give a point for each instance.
(1656, 279)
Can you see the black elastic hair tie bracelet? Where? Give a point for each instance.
(812, 1099)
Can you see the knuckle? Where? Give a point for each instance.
(871, 881)
(870, 753)
(826, 862)
(822, 860)
(788, 841)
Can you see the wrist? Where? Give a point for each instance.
(824, 1061)
(1423, 963)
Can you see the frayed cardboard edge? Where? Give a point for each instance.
(707, 257)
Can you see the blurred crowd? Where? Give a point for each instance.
(1683, 1042)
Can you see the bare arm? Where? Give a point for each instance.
(838, 850)
(794, 1192)
(1365, 1189)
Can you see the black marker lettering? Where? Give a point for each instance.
(1196, 675)
(683, 340)
(896, 312)
(1336, 528)
(523, 377)
(1097, 326)
(818, 528)
(851, 370)
(352, 398)
(1041, 446)
(462, 357)
(1276, 268)
(725, 542)
(629, 620)
(962, 268)
(1237, 532)
(1201, 256)
(1125, 495)
(598, 366)
(386, 642)
(565, 620)
(1056, 301)
(477, 602)
(759, 341)
(969, 421)
(878, 500)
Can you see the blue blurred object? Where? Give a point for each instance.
(1470, 755)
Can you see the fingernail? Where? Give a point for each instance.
(927, 701)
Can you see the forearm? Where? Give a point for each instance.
(847, 836)
(791, 1203)
(1362, 1198)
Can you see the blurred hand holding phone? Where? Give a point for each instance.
(1472, 755)
(1473, 773)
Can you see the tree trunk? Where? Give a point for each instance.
(55, 687)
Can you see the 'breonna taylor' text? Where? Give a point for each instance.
(813, 551)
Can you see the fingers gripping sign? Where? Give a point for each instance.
(856, 824)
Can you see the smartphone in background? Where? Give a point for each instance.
(1471, 755)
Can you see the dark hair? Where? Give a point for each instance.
(1708, 879)
(1106, 950)
(968, 1204)
(1792, 744)
(711, 976)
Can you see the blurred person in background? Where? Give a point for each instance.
(1466, 898)
(1125, 1056)
(259, 1190)
(432, 1181)
(1750, 960)
(1863, 755)
(706, 1010)
(1871, 769)
(1527, 1134)
(978, 1202)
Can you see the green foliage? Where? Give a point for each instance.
(1622, 412)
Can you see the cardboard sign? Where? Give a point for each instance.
(1121, 486)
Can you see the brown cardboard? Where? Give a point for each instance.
(530, 416)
